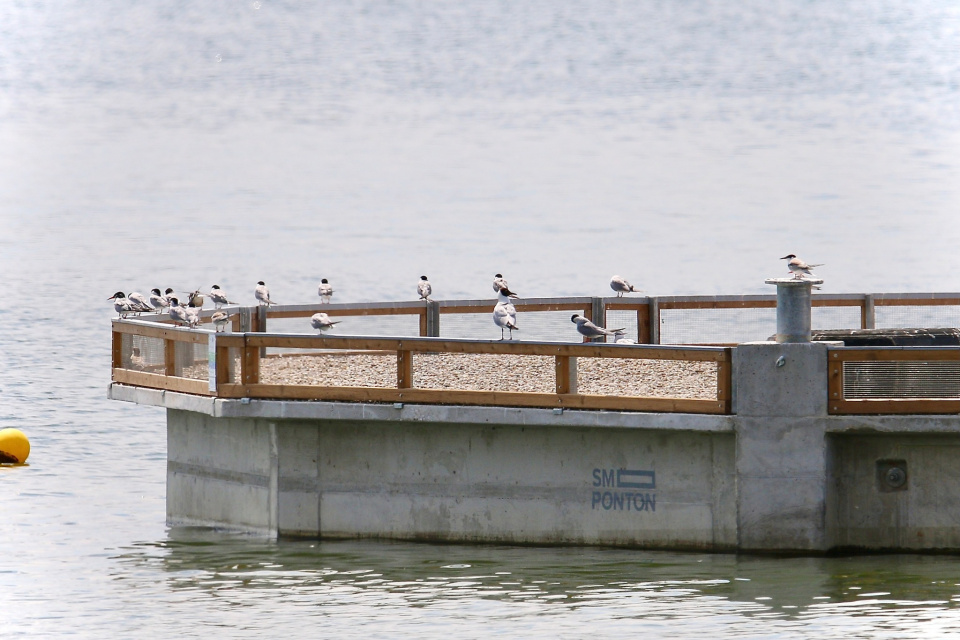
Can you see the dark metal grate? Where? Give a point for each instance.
(901, 380)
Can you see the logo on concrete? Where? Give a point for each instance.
(615, 498)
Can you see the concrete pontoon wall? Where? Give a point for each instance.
(455, 482)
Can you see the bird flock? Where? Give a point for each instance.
(186, 312)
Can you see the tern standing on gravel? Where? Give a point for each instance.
(263, 294)
(325, 291)
(621, 286)
(590, 330)
(424, 288)
(322, 322)
(798, 267)
(505, 314)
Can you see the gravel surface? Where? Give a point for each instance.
(489, 372)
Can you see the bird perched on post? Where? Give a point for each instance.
(219, 297)
(322, 322)
(178, 312)
(263, 294)
(424, 288)
(798, 267)
(325, 291)
(621, 286)
(499, 283)
(590, 330)
(505, 314)
(220, 320)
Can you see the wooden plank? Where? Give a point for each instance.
(170, 357)
(894, 354)
(486, 398)
(834, 381)
(717, 304)
(250, 365)
(882, 300)
(117, 349)
(162, 332)
(424, 330)
(404, 370)
(911, 406)
(157, 381)
(566, 375)
(341, 312)
(643, 325)
(591, 350)
(223, 365)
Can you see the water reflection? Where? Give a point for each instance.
(570, 586)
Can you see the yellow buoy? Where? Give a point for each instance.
(14, 446)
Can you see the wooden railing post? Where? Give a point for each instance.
(424, 328)
(643, 325)
(566, 374)
(433, 319)
(261, 327)
(404, 370)
(868, 313)
(250, 365)
(169, 357)
(725, 382)
(117, 349)
(654, 320)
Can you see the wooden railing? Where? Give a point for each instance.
(894, 380)
(225, 349)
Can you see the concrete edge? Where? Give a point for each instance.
(512, 416)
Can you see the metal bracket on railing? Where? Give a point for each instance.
(868, 319)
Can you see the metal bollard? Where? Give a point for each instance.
(793, 308)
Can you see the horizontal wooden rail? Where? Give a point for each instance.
(250, 345)
(839, 404)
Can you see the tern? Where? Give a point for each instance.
(590, 330)
(325, 291)
(220, 319)
(195, 298)
(424, 288)
(798, 267)
(322, 322)
(193, 315)
(219, 297)
(123, 306)
(505, 314)
(140, 300)
(158, 300)
(621, 286)
(263, 294)
(621, 338)
(499, 283)
(178, 312)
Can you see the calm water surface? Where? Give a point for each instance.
(685, 145)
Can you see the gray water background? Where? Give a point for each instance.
(685, 145)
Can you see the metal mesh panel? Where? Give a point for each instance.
(900, 380)
(142, 354)
(917, 316)
(623, 319)
(330, 369)
(385, 325)
(835, 318)
(191, 360)
(484, 372)
(647, 378)
(711, 326)
(552, 326)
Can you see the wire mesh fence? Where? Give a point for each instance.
(551, 326)
(917, 316)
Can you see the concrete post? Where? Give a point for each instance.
(781, 446)
(793, 308)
